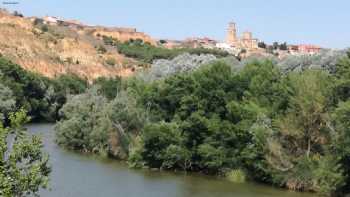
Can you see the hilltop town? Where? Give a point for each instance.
(245, 46)
(52, 46)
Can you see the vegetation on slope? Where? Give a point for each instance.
(40, 96)
(52, 50)
(147, 53)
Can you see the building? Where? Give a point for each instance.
(232, 34)
(171, 44)
(200, 42)
(51, 20)
(245, 42)
(293, 49)
(308, 49)
(227, 47)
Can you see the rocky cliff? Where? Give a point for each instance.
(57, 47)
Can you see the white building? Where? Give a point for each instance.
(51, 19)
(227, 47)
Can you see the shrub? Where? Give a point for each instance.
(81, 121)
(44, 28)
(109, 87)
(101, 49)
(236, 176)
(38, 21)
(92, 124)
(157, 139)
(108, 40)
(69, 60)
(7, 102)
(110, 61)
(16, 13)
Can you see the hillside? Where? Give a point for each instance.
(66, 47)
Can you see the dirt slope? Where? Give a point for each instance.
(56, 49)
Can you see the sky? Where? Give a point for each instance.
(320, 22)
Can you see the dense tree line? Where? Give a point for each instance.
(258, 121)
(24, 168)
(281, 122)
(40, 96)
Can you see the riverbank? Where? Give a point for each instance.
(77, 174)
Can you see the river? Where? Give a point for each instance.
(77, 175)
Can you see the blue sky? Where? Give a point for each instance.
(322, 22)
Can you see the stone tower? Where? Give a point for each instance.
(247, 35)
(231, 34)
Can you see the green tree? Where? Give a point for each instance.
(90, 123)
(80, 127)
(341, 141)
(111, 61)
(109, 87)
(27, 88)
(283, 46)
(24, 167)
(342, 72)
(161, 144)
(71, 84)
(307, 120)
(44, 28)
(262, 45)
(7, 102)
(298, 147)
(275, 45)
(101, 49)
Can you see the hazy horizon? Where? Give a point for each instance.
(297, 22)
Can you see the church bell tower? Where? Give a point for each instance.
(231, 34)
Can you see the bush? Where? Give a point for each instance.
(236, 176)
(90, 123)
(38, 21)
(110, 61)
(159, 139)
(16, 13)
(81, 124)
(71, 84)
(7, 102)
(44, 28)
(69, 60)
(101, 49)
(108, 87)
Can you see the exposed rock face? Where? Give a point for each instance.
(59, 49)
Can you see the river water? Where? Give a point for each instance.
(77, 175)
